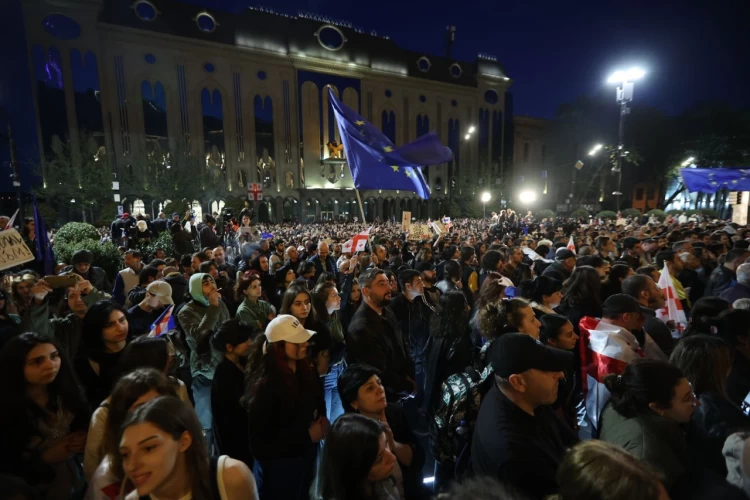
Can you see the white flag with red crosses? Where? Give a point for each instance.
(357, 243)
(672, 310)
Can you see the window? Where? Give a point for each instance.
(330, 37)
(206, 22)
(639, 194)
(456, 70)
(423, 64)
(491, 97)
(62, 27)
(145, 10)
(526, 152)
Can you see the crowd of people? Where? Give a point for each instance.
(501, 358)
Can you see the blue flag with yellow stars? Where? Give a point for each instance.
(710, 180)
(376, 163)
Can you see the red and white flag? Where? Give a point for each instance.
(357, 243)
(11, 221)
(571, 245)
(255, 191)
(606, 349)
(672, 310)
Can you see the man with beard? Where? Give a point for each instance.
(431, 293)
(374, 337)
(651, 298)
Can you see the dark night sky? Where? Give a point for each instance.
(555, 51)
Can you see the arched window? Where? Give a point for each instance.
(265, 157)
(217, 206)
(213, 129)
(139, 208)
(155, 116)
(423, 125)
(197, 211)
(388, 125)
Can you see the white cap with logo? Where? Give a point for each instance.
(287, 328)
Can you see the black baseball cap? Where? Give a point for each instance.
(424, 266)
(514, 353)
(620, 303)
(564, 253)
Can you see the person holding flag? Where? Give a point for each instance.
(144, 316)
(672, 265)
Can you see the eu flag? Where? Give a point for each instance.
(374, 160)
(710, 180)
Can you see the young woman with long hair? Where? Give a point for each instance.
(102, 465)
(283, 278)
(613, 284)
(582, 295)
(704, 316)
(286, 410)
(164, 455)
(706, 362)
(357, 463)
(297, 301)
(44, 415)
(350, 306)
(327, 302)
(545, 294)
(156, 353)
(508, 316)
(105, 334)
(233, 338)
(557, 331)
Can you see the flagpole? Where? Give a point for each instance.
(361, 207)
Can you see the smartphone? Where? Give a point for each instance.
(66, 281)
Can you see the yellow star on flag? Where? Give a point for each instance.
(388, 149)
(395, 168)
(408, 174)
(359, 122)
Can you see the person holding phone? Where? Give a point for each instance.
(44, 417)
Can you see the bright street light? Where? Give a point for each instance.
(526, 197)
(630, 75)
(467, 136)
(595, 149)
(471, 129)
(486, 197)
(689, 161)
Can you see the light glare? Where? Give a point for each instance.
(527, 197)
(486, 197)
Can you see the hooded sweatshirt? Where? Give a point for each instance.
(199, 319)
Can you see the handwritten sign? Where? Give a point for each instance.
(420, 232)
(13, 251)
(405, 220)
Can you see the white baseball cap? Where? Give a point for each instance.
(162, 290)
(287, 328)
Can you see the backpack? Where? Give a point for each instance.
(451, 425)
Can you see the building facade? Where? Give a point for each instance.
(247, 92)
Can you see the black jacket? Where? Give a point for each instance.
(719, 280)
(738, 383)
(330, 266)
(208, 238)
(445, 356)
(279, 425)
(183, 244)
(658, 330)
(414, 320)
(511, 445)
(556, 271)
(377, 340)
(230, 421)
(712, 423)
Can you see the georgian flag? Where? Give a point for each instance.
(571, 245)
(672, 310)
(163, 324)
(605, 349)
(357, 243)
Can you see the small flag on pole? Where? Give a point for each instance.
(571, 245)
(12, 221)
(163, 324)
(357, 243)
(672, 310)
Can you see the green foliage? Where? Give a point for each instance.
(235, 204)
(579, 212)
(631, 212)
(48, 213)
(81, 173)
(660, 214)
(163, 241)
(545, 214)
(75, 232)
(106, 255)
(606, 214)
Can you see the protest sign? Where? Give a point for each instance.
(13, 250)
(405, 220)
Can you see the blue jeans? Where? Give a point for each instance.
(201, 389)
(334, 408)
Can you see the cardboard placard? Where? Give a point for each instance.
(13, 250)
(439, 227)
(420, 232)
(405, 220)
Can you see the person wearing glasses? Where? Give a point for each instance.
(374, 337)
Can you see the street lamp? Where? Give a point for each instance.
(486, 197)
(595, 149)
(625, 80)
(689, 161)
(471, 129)
(527, 197)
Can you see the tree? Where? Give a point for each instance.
(79, 175)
